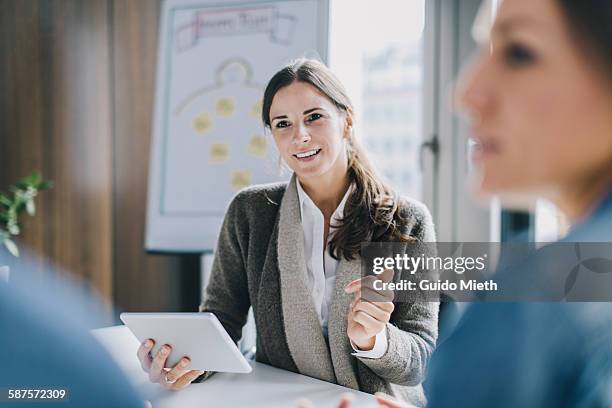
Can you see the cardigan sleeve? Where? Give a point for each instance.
(413, 329)
(227, 294)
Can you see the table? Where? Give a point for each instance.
(265, 386)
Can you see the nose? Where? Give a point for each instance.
(473, 93)
(300, 134)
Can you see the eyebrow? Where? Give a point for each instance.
(505, 26)
(306, 112)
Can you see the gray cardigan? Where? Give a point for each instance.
(260, 262)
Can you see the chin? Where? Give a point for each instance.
(311, 171)
(308, 173)
(483, 185)
(514, 196)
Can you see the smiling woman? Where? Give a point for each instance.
(292, 253)
(311, 118)
(305, 137)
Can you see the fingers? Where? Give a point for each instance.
(184, 380)
(387, 275)
(177, 371)
(366, 288)
(370, 293)
(304, 404)
(143, 354)
(379, 311)
(346, 401)
(158, 364)
(353, 286)
(386, 401)
(370, 325)
(175, 378)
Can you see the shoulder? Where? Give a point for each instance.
(597, 228)
(417, 219)
(258, 199)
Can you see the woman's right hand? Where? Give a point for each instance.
(175, 378)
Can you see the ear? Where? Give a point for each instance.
(349, 122)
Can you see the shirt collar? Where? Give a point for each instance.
(599, 218)
(306, 201)
(604, 206)
(606, 203)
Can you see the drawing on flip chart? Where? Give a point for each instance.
(208, 138)
(233, 97)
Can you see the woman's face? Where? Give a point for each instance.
(541, 113)
(309, 131)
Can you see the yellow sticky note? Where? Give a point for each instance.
(240, 179)
(202, 123)
(258, 146)
(218, 153)
(225, 107)
(256, 109)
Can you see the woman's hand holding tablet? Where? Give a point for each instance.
(177, 348)
(175, 378)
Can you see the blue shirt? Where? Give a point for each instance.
(530, 354)
(45, 343)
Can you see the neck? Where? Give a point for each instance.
(327, 190)
(578, 200)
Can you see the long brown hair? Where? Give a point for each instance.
(371, 212)
(589, 23)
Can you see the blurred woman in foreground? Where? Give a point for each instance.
(538, 97)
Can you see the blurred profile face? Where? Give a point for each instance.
(309, 131)
(541, 113)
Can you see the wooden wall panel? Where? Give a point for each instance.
(22, 112)
(76, 96)
(78, 138)
(56, 119)
(163, 282)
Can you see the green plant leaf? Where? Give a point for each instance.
(13, 229)
(21, 185)
(30, 207)
(20, 206)
(11, 247)
(34, 179)
(4, 200)
(23, 197)
(12, 215)
(46, 185)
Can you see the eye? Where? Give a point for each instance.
(282, 124)
(313, 117)
(517, 55)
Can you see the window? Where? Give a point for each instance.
(377, 52)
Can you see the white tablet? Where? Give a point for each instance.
(199, 336)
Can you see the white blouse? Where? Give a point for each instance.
(321, 266)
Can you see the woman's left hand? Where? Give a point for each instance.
(370, 310)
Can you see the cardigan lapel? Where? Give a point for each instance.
(272, 340)
(345, 364)
(302, 328)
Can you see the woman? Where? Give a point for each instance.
(539, 99)
(292, 252)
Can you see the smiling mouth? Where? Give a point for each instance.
(309, 153)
